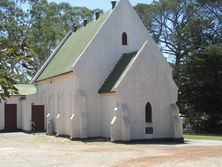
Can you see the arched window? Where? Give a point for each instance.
(148, 113)
(124, 39)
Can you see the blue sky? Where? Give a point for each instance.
(92, 4)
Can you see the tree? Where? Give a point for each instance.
(49, 22)
(201, 91)
(33, 28)
(29, 31)
(14, 50)
(189, 33)
(6, 83)
(181, 28)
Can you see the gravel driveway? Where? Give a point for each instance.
(20, 149)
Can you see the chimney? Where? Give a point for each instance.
(85, 21)
(75, 27)
(113, 4)
(97, 15)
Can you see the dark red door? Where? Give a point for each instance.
(10, 117)
(38, 117)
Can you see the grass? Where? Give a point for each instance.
(203, 136)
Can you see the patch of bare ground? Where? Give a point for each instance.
(176, 156)
(40, 151)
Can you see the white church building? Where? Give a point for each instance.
(105, 79)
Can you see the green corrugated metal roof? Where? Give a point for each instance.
(69, 52)
(25, 89)
(117, 72)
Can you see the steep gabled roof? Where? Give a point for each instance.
(117, 71)
(69, 51)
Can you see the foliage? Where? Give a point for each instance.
(29, 31)
(189, 33)
(182, 28)
(6, 84)
(49, 24)
(201, 92)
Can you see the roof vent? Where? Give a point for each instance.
(85, 21)
(75, 27)
(113, 4)
(97, 15)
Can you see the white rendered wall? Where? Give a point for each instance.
(11, 100)
(59, 93)
(149, 80)
(37, 99)
(23, 110)
(107, 104)
(100, 57)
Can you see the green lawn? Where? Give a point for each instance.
(203, 136)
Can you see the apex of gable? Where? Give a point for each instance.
(124, 0)
(121, 3)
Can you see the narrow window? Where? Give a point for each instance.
(124, 39)
(148, 113)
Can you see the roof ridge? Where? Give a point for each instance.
(92, 37)
(61, 62)
(55, 51)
